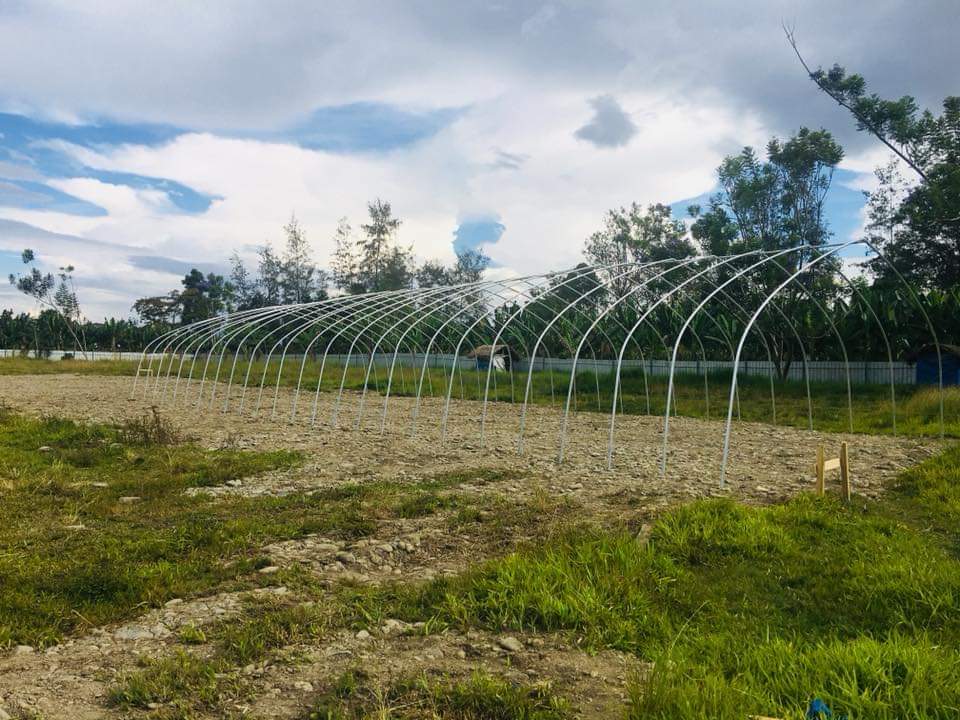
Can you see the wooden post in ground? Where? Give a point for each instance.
(842, 463)
(820, 471)
(844, 473)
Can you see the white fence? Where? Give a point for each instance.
(76, 354)
(861, 372)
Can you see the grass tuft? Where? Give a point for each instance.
(182, 679)
(481, 697)
(150, 429)
(266, 626)
(189, 684)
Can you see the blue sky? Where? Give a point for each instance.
(365, 127)
(136, 144)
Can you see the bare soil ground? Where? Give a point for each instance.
(767, 464)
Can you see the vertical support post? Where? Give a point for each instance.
(820, 471)
(844, 473)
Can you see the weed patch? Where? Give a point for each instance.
(183, 680)
(187, 683)
(93, 528)
(481, 697)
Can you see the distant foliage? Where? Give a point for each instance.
(371, 261)
(54, 293)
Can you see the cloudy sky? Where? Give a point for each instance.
(138, 140)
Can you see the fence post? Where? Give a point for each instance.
(844, 472)
(820, 471)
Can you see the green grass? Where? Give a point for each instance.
(73, 555)
(186, 682)
(892, 678)
(932, 488)
(743, 610)
(209, 680)
(267, 626)
(917, 407)
(481, 697)
(33, 366)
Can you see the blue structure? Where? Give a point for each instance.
(926, 359)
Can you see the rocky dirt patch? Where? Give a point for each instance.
(70, 680)
(593, 683)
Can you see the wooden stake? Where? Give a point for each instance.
(820, 471)
(844, 473)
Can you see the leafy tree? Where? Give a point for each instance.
(776, 204)
(269, 276)
(433, 273)
(245, 293)
(925, 246)
(158, 311)
(203, 296)
(345, 262)
(772, 204)
(470, 266)
(636, 235)
(397, 270)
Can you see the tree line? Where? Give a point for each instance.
(371, 260)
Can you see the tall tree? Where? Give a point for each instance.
(300, 279)
(775, 204)
(634, 235)
(639, 235)
(244, 292)
(469, 267)
(158, 311)
(397, 271)
(382, 266)
(433, 273)
(344, 264)
(925, 247)
(203, 296)
(270, 275)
